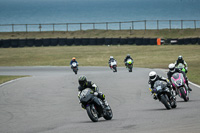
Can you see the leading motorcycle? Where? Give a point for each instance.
(163, 93)
(181, 88)
(74, 67)
(94, 107)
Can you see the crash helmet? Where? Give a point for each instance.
(73, 58)
(82, 80)
(111, 57)
(171, 67)
(152, 75)
(128, 55)
(180, 58)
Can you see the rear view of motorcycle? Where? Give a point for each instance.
(113, 65)
(181, 88)
(129, 64)
(75, 67)
(94, 106)
(163, 93)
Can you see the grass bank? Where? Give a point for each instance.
(164, 33)
(5, 78)
(144, 56)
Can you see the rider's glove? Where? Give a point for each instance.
(96, 93)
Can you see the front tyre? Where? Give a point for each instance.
(92, 113)
(165, 102)
(109, 113)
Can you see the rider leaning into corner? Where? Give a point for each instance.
(172, 70)
(110, 60)
(126, 58)
(153, 77)
(83, 84)
(180, 60)
(73, 60)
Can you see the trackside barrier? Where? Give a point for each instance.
(6, 43)
(38, 42)
(123, 41)
(100, 41)
(54, 41)
(30, 42)
(62, 41)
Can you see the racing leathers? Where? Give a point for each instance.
(151, 84)
(110, 60)
(94, 87)
(177, 62)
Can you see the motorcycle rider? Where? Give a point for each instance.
(73, 60)
(153, 77)
(83, 84)
(180, 60)
(126, 58)
(110, 60)
(172, 70)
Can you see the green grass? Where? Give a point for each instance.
(164, 33)
(144, 56)
(5, 78)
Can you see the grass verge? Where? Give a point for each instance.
(4, 78)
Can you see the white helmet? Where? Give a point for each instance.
(111, 57)
(152, 75)
(171, 67)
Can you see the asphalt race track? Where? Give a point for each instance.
(46, 102)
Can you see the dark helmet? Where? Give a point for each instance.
(128, 55)
(82, 80)
(180, 58)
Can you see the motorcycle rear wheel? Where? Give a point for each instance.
(183, 95)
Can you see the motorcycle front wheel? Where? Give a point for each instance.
(92, 113)
(164, 100)
(109, 113)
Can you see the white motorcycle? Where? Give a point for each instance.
(75, 67)
(113, 65)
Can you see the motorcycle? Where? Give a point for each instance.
(182, 67)
(181, 88)
(163, 93)
(75, 67)
(129, 64)
(93, 105)
(113, 65)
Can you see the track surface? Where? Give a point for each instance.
(46, 102)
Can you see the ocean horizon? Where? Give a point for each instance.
(93, 11)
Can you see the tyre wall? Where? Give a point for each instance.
(6, 43)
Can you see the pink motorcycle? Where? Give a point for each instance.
(181, 88)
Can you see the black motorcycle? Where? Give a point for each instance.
(95, 106)
(163, 93)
